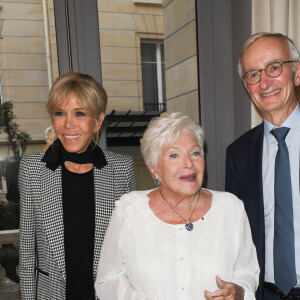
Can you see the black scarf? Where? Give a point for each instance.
(56, 155)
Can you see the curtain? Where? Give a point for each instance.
(276, 16)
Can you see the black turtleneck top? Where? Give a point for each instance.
(79, 231)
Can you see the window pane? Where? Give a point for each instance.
(148, 52)
(162, 51)
(149, 86)
(163, 77)
(149, 76)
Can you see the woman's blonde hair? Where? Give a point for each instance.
(87, 91)
(164, 131)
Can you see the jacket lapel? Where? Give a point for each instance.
(256, 150)
(256, 210)
(104, 205)
(52, 210)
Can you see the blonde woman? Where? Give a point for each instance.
(68, 194)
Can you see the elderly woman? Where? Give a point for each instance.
(68, 195)
(178, 241)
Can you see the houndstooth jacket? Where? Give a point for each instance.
(42, 259)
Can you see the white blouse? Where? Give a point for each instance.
(145, 258)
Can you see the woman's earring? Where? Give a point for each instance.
(157, 181)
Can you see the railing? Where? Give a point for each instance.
(155, 107)
(9, 237)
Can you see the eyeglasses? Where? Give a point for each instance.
(273, 70)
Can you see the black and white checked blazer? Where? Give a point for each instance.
(42, 259)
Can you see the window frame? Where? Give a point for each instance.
(159, 78)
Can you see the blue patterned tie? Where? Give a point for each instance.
(284, 247)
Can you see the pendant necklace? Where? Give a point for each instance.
(189, 226)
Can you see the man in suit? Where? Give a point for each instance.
(270, 69)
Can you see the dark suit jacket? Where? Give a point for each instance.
(244, 179)
(42, 256)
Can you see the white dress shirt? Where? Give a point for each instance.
(270, 147)
(145, 258)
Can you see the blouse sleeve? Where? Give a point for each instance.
(112, 282)
(246, 271)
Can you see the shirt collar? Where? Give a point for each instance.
(293, 121)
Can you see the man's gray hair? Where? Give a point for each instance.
(294, 52)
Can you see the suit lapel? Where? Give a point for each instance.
(256, 210)
(52, 210)
(104, 205)
(256, 150)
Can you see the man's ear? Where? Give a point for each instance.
(246, 85)
(297, 74)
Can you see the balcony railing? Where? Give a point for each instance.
(161, 107)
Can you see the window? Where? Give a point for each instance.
(153, 75)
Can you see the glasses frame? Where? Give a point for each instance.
(264, 69)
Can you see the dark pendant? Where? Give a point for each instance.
(189, 226)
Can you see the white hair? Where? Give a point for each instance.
(164, 131)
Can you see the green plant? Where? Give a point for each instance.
(18, 139)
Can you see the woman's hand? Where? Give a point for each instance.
(227, 290)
